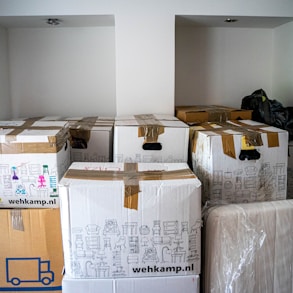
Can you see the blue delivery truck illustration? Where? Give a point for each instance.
(19, 270)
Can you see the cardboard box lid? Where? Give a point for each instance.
(130, 173)
(81, 129)
(33, 136)
(150, 126)
(163, 120)
(213, 113)
(249, 129)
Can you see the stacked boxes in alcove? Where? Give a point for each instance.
(242, 165)
(131, 225)
(34, 156)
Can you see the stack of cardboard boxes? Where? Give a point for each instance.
(134, 225)
(243, 167)
(34, 156)
(130, 205)
(91, 203)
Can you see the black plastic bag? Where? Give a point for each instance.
(268, 111)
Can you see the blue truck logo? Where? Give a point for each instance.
(20, 270)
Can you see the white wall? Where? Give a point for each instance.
(145, 64)
(5, 108)
(283, 65)
(62, 71)
(144, 40)
(222, 65)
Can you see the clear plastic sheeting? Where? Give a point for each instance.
(248, 247)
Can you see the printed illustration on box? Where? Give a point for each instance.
(31, 255)
(39, 271)
(156, 232)
(32, 161)
(241, 161)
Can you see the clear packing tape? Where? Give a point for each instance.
(248, 247)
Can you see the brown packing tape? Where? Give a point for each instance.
(34, 119)
(30, 148)
(219, 115)
(228, 145)
(54, 144)
(150, 128)
(253, 138)
(150, 132)
(131, 177)
(16, 219)
(272, 136)
(81, 130)
(131, 186)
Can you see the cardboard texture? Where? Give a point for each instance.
(33, 157)
(210, 113)
(31, 254)
(91, 139)
(248, 248)
(150, 138)
(178, 284)
(240, 161)
(130, 220)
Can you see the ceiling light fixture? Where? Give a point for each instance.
(53, 21)
(229, 20)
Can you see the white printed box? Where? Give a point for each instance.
(240, 161)
(150, 138)
(34, 156)
(178, 284)
(130, 220)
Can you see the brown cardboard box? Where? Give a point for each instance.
(31, 254)
(212, 113)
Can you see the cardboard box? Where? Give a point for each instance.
(210, 113)
(150, 138)
(31, 255)
(130, 220)
(178, 284)
(91, 139)
(240, 161)
(34, 155)
(248, 248)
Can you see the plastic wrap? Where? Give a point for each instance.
(248, 247)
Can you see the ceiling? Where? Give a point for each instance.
(242, 21)
(109, 20)
(66, 21)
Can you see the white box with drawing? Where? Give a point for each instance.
(240, 161)
(130, 220)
